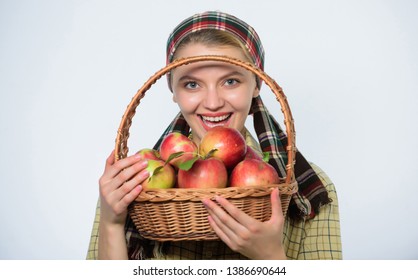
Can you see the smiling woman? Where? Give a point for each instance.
(213, 94)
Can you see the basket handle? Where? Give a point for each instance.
(121, 148)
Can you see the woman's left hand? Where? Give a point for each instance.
(246, 235)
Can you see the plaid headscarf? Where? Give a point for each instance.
(219, 21)
(311, 193)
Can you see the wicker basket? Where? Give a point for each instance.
(178, 214)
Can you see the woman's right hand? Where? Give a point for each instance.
(119, 185)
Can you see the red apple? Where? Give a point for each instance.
(253, 172)
(147, 153)
(176, 142)
(162, 176)
(227, 143)
(251, 153)
(205, 173)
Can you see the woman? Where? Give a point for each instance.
(211, 94)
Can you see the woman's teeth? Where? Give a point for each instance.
(214, 121)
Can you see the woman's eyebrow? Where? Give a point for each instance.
(233, 73)
(187, 77)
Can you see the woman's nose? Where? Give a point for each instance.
(213, 99)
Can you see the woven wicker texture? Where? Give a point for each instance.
(178, 214)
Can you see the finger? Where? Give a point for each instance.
(111, 184)
(110, 160)
(116, 167)
(130, 171)
(105, 177)
(240, 216)
(129, 175)
(276, 206)
(127, 192)
(219, 232)
(225, 222)
(128, 186)
(129, 197)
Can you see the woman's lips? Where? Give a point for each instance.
(212, 121)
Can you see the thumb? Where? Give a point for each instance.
(276, 206)
(110, 159)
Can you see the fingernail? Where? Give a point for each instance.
(145, 173)
(139, 156)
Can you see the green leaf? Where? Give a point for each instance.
(188, 163)
(210, 154)
(266, 156)
(173, 156)
(155, 172)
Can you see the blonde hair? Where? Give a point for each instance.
(214, 37)
(211, 38)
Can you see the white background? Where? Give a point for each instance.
(69, 69)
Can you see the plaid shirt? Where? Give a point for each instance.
(308, 239)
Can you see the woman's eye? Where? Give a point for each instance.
(191, 85)
(231, 82)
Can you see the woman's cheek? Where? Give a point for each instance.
(188, 103)
(241, 102)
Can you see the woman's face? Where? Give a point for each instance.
(213, 93)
